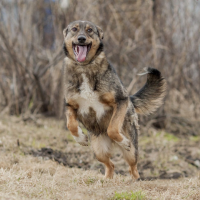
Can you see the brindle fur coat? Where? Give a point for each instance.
(96, 97)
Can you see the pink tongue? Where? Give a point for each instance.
(82, 53)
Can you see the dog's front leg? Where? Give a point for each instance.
(116, 123)
(72, 125)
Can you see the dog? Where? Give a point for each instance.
(96, 97)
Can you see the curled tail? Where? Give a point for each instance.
(151, 95)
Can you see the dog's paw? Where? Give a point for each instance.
(82, 139)
(125, 143)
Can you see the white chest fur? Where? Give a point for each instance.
(89, 98)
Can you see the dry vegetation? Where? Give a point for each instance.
(38, 179)
(30, 171)
(38, 157)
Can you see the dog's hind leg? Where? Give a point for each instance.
(131, 159)
(102, 146)
(132, 156)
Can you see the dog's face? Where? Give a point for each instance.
(82, 40)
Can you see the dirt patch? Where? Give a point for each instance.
(147, 167)
(79, 160)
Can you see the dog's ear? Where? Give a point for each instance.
(65, 31)
(100, 32)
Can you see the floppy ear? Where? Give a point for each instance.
(65, 31)
(100, 32)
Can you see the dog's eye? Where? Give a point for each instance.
(74, 29)
(89, 30)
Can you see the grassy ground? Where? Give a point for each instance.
(28, 175)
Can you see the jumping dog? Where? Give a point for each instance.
(96, 97)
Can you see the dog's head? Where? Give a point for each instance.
(82, 41)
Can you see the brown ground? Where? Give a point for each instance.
(40, 160)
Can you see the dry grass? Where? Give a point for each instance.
(25, 177)
(33, 178)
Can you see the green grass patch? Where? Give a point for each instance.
(171, 137)
(145, 140)
(168, 136)
(129, 196)
(70, 137)
(84, 130)
(30, 104)
(37, 144)
(195, 138)
(90, 180)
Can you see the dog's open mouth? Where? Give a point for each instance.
(81, 51)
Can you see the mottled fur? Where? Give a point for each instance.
(150, 97)
(96, 97)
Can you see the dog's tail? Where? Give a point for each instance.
(151, 95)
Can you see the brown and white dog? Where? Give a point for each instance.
(96, 97)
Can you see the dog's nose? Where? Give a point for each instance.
(81, 39)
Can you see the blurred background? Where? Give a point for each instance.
(138, 33)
